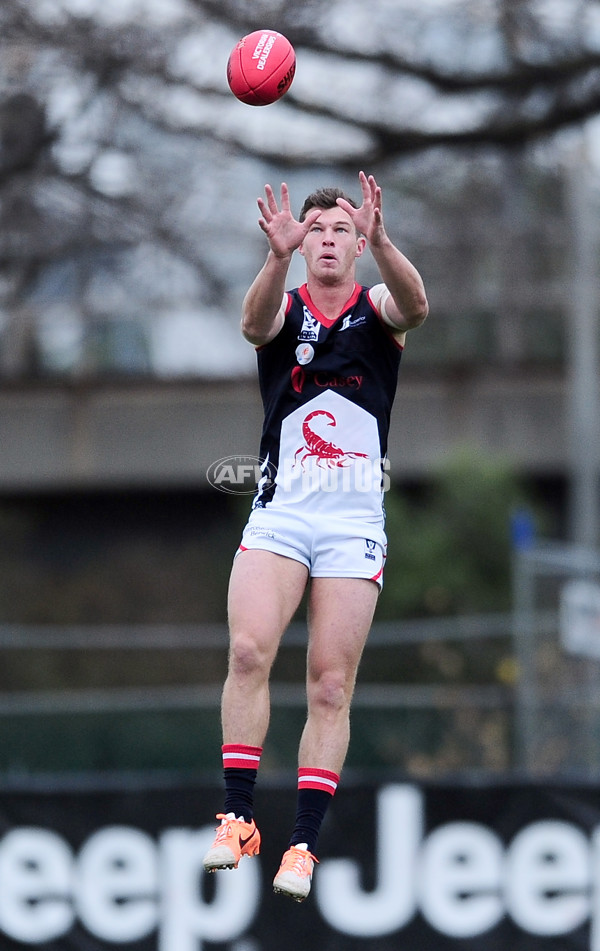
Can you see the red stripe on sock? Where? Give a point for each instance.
(239, 756)
(323, 779)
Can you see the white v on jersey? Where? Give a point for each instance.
(330, 458)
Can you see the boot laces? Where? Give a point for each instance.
(224, 831)
(299, 864)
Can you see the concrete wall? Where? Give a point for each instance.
(166, 434)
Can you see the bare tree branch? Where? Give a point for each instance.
(120, 141)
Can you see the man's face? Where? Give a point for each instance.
(331, 246)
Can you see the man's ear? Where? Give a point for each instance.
(360, 245)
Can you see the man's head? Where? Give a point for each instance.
(332, 242)
(324, 198)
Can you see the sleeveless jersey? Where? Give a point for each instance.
(327, 388)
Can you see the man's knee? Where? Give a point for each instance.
(330, 691)
(247, 656)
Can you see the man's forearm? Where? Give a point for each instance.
(403, 282)
(262, 302)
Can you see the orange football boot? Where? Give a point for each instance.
(234, 838)
(295, 873)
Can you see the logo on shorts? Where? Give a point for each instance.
(370, 547)
(257, 531)
(240, 475)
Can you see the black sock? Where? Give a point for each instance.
(310, 812)
(239, 792)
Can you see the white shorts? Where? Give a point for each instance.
(330, 547)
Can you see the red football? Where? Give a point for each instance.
(261, 67)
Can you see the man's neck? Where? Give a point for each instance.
(330, 298)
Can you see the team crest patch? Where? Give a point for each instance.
(370, 547)
(310, 327)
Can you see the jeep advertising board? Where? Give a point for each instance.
(402, 866)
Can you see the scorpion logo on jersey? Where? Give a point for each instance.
(326, 453)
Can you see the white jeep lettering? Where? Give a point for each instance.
(547, 879)
(116, 887)
(461, 878)
(36, 872)
(188, 920)
(342, 901)
(122, 887)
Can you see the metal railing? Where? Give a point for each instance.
(80, 700)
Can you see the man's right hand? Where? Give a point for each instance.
(283, 232)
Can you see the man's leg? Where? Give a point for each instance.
(264, 591)
(341, 612)
(340, 617)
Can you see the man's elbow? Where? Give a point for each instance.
(248, 329)
(256, 330)
(418, 313)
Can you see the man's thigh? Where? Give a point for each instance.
(265, 590)
(340, 616)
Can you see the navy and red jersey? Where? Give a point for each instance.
(327, 388)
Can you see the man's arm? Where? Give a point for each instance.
(263, 310)
(408, 306)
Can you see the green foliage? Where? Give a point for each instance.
(450, 550)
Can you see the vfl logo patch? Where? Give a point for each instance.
(310, 327)
(370, 547)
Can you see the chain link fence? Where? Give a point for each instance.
(556, 630)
